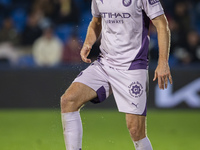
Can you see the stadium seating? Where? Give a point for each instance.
(64, 31)
(19, 17)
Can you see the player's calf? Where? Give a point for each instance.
(136, 126)
(136, 133)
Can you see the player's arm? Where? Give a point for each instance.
(93, 32)
(162, 72)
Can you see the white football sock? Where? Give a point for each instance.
(73, 131)
(143, 144)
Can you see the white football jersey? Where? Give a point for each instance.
(125, 27)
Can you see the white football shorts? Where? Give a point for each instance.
(129, 87)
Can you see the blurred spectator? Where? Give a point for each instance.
(9, 38)
(193, 46)
(183, 19)
(190, 53)
(8, 33)
(32, 30)
(68, 13)
(58, 11)
(72, 49)
(175, 34)
(47, 50)
(47, 8)
(182, 15)
(8, 54)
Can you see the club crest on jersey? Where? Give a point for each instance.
(126, 3)
(136, 89)
(152, 2)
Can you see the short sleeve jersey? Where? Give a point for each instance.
(125, 27)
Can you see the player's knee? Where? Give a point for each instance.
(67, 100)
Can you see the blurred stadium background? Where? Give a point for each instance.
(40, 41)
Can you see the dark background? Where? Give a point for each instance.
(42, 88)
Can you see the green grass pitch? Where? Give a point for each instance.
(103, 130)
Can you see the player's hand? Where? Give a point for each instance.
(162, 73)
(85, 52)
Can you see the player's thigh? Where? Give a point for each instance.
(77, 94)
(95, 77)
(136, 125)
